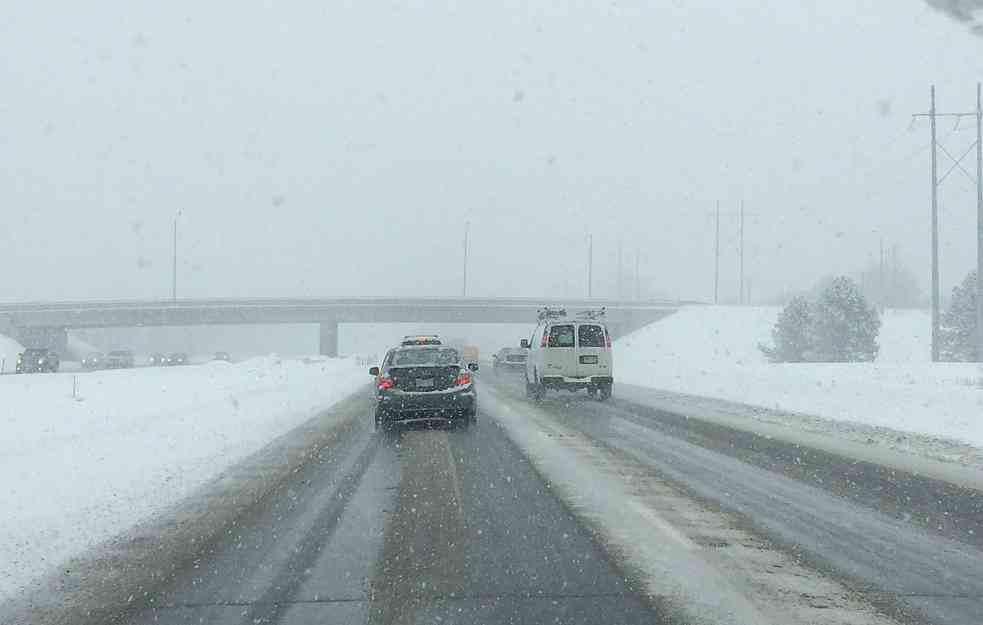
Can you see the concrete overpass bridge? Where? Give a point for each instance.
(46, 324)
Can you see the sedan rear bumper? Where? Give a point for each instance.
(401, 406)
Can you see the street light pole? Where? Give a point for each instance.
(467, 232)
(174, 263)
(590, 265)
(716, 258)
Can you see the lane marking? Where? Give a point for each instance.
(455, 482)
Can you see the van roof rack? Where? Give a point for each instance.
(593, 313)
(546, 312)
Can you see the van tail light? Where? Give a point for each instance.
(545, 340)
(463, 378)
(607, 339)
(385, 383)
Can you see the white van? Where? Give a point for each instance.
(569, 354)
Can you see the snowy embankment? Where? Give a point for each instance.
(76, 471)
(9, 349)
(713, 351)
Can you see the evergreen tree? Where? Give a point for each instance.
(844, 325)
(791, 333)
(958, 337)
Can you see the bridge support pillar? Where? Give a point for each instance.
(329, 337)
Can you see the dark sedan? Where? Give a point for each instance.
(424, 383)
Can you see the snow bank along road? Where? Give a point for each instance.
(76, 470)
(566, 511)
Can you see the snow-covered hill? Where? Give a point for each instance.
(713, 351)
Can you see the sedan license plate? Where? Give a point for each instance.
(588, 360)
(424, 383)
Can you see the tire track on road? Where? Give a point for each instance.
(423, 553)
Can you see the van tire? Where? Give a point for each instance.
(605, 393)
(535, 391)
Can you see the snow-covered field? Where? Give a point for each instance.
(713, 351)
(75, 471)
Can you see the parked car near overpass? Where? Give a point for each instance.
(120, 359)
(37, 360)
(176, 358)
(94, 360)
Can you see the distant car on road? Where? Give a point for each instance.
(470, 353)
(223, 356)
(120, 359)
(423, 383)
(421, 339)
(94, 360)
(158, 360)
(177, 358)
(511, 358)
(37, 360)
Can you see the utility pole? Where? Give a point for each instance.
(741, 298)
(895, 296)
(880, 275)
(933, 114)
(935, 236)
(716, 260)
(979, 226)
(174, 263)
(590, 265)
(621, 292)
(464, 285)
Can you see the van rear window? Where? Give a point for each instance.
(561, 336)
(591, 336)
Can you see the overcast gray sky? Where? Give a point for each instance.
(329, 148)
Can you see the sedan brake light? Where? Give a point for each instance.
(385, 383)
(463, 379)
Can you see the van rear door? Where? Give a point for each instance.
(560, 355)
(593, 357)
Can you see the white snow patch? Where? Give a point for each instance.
(9, 349)
(76, 471)
(713, 351)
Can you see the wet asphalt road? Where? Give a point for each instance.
(889, 536)
(414, 526)
(456, 526)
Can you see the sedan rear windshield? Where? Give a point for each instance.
(411, 357)
(591, 336)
